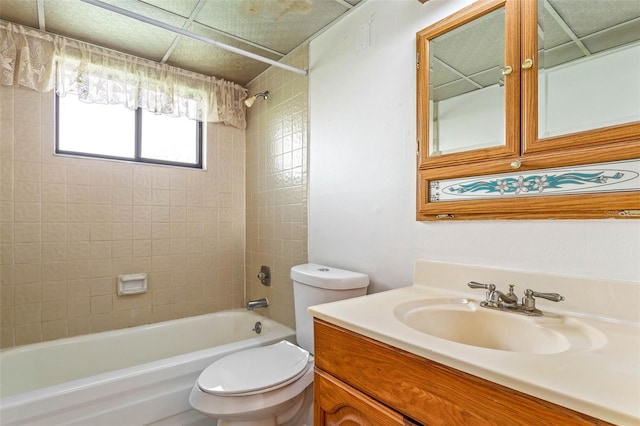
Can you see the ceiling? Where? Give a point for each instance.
(268, 28)
(471, 57)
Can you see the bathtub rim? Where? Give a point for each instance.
(139, 370)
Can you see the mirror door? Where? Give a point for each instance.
(468, 85)
(580, 72)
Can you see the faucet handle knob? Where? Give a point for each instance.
(474, 284)
(554, 297)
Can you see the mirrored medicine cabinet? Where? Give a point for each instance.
(530, 109)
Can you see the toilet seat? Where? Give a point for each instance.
(255, 370)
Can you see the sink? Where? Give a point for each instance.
(464, 321)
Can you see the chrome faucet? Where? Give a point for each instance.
(495, 299)
(260, 303)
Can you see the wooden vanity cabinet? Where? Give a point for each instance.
(365, 382)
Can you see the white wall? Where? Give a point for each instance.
(362, 170)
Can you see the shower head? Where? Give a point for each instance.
(250, 100)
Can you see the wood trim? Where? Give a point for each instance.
(426, 391)
(512, 86)
(531, 141)
(577, 206)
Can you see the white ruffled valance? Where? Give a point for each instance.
(41, 61)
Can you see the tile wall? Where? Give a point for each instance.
(276, 190)
(69, 227)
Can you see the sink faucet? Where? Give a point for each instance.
(509, 301)
(260, 303)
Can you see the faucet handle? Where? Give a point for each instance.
(474, 284)
(554, 297)
(529, 303)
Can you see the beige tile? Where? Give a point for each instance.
(122, 231)
(100, 194)
(142, 197)
(77, 175)
(56, 290)
(28, 313)
(77, 231)
(101, 304)
(77, 194)
(122, 196)
(160, 214)
(26, 212)
(52, 252)
(142, 231)
(54, 310)
(28, 293)
(26, 171)
(142, 248)
(28, 333)
(102, 286)
(78, 307)
(26, 273)
(122, 248)
(55, 173)
(54, 271)
(100, 249)
(101, 213)
(54, 213)
(27, 253)
(142, 214)
(78, 213)
(101, 268)
(54, 193)
(25, 233)
(101, 322)
(54, 330)
(78, 325)
(101, 232)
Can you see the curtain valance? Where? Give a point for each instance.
(43, 62)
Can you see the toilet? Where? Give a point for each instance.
(273, 385)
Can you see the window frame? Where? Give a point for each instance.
(137, 158)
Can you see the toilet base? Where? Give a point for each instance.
(299, 413)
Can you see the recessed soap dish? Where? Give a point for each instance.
(132, 284)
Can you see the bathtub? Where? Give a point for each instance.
(136, 376)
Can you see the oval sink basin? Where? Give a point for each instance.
(466, 322)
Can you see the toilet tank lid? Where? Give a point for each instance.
(315, 275)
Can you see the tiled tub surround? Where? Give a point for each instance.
(70, 226)
(601, 381)
(277, 184)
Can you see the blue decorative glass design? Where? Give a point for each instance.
(539, 183)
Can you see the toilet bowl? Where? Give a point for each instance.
(265, 386)
(273, 385)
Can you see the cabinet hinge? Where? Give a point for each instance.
(629, 213)
(418, 148)
(418, 60)
(444, 216)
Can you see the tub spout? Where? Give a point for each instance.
(260, 303)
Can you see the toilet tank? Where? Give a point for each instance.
(314, 284)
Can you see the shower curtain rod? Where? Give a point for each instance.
(189, 34)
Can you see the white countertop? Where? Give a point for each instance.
(603, 382)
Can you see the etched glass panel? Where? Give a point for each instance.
(620, 176)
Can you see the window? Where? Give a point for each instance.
(115, 132)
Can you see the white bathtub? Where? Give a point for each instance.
(136, 376)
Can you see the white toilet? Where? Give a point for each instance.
(273, 385)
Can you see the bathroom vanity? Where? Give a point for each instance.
(430, 354)
(378, 384)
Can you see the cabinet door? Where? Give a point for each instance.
(337, 403)
(580, 74)
(468, 86)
